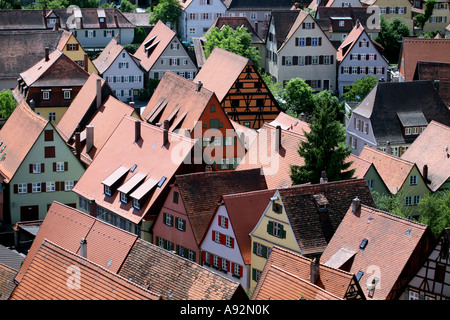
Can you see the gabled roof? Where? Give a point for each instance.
(176, 278)
(387, 99)
(389, 244)
(7, 286)
(221, 70)
(274, 165)
(325, 16)
(121, 150)
(201, 192)
(294, 271)
(108, 55)
(393, 170)
(422, 49)
(258, 4)
(313, 227)
(244, 211)
(283, 21)
(360, 165)
(290, 123)
(107, 246)
(23, 49)
(154, 45)
(177, 99)
(95, 90)
(46, 278)
(55, 72)
(436, 71)
(234, 23)
(431, 148)
(17, 138)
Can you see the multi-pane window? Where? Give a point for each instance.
(412, 180)
(66, 94)
(60, 166)
(36, 168)
(136, 204)
(36, 187)
(52, 116)
(168, 219)
(301, 42)
(315, 41)
(223, 221)
(229, 241)
(315, 59)
(22, 188)
(123, 197)
(181, 224)
(224, 264)
(217, 237)
(346, 70)
(413, 295)
(50, 186)
(46, 95)
(253, 16)
(107, 190)
(123, 65)
(68, 185)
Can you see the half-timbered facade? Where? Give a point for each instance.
(240, 88)
(432, 282)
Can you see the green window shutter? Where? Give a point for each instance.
(253, 274)
(114, 79)
(86, 33)
(94, 33)
(157, 241)
(164, 217)
(184, 226)
(176, 222)
(264, 252)
(270, 227)
(254, 247)
(214, 123)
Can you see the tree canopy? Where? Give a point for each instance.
(391, 36)
(422, 18)
(7, 103)
(297, 97)
(324, 148)
(168, 11)
(238, 41)
(360, 89)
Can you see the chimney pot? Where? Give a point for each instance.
(99, 92)
(425, 173)
(166, 125)
(356, 205)
(83, 248)
(323, 178)
(89, 137)
(165, 136)
(86, 62)
(388, 147)
(137, 130)
(132, 104)
(77, 144)
(199, 86)
(47, 53)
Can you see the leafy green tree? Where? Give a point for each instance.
(168, 11)
(421, 19)
(10, 4)
(139, 35)
(7, 103)
(431, 34)
(297, 97)
(391, 35)
(127, 6)
(360, 89)
(324, 148)
(238, 41)
(274, 87)
(435, 211)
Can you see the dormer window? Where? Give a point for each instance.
(107, 190)
(136, 204)
(101, 20)
(123, 198)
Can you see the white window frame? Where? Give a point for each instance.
(236, 269)
(413, 180)
(22, 188)
(253, 16)
(215, 261)
(223, 221)
(50, 186)
(228, 241)
(181, 224)
(216, 237)
(45, 95)
(67, 94)
(52, 116)
(68, 185)
(224, 265)
(60, 166)
(123, 197)
(36, 187)
(168, 221)
(136, 204)
(37, 168)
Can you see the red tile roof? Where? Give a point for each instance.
(221, 70)
(107, 245)
(48, 277)
(157, 41)
(17, 137)
(392, 247)
(176, 278)
(7, 284)
(274, 165)
(417, 49)
(121, 150)
(108, 55)
(293, 270)
(431, 148)
(360, 165)
(290, 123)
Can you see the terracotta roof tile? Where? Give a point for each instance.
(107, 245)
(7, 284)
(416, 49)
(234, 23)
(121, 150)
(108, 55)
(46, 278)
(274, 165)
(313, 227)
(220, 71)
(430, 149)
(11, 257)
(176, 278)
(360, 165)
(331, 284)
(159, 38)
(391, 244)
(202, 191)
(393, 170)
(290, 123)
(18, 136)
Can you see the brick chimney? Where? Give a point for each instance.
(199, 85)
(425, 173)
(83, 248)
(99, 93)
(356, 206)
(89, 137)
(47, 53)
(77, 144)
(314, 270)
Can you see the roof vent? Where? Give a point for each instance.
(199, 86)
(363, 244)
(356, 205)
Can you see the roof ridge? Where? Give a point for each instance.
(247, 193)
(396, 217)
(412, 164)
(8, 267)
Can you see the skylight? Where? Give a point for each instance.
(161, 182)
(363, 244)
(359, 275)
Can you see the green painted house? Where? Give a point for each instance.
(366, 169)
(36, 167)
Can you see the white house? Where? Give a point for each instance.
(197, 16)
(120, 70)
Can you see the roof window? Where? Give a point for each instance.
(363, 244)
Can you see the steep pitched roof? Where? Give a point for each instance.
(177, 99)
(154, 45)
(283, 21)
(108, 55)
(431, 149)
(274, 165)
(290, 123)
(46, 278)
(17, 137)
(294, 271)
(436, 71)
(92, 95)
(258, 4)
(176, 278)
(221, 70)
(313, 227)
(234, 23)
(388, 100)
(422, 49)
(325, 16)
(121, 150)
(390, 243)
(7, 284)
(360, 165)
(54, 72)
(23, 49)
(201, 192)
(107, 246)
(11, 257)
(393, 170)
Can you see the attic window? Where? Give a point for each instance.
(277, 208)
(363, 244)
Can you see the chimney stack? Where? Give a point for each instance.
(86, 62)
(425, 173)
(132, 104)
(77, 144)
(278, 139)
(89, 137)
(166, 125)
(99, 92)
(83, 248)
(356, 205)
(388, 147)
(323, 178)
(137, 130)
(314, 271)
(47, 53)
(199, 86)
